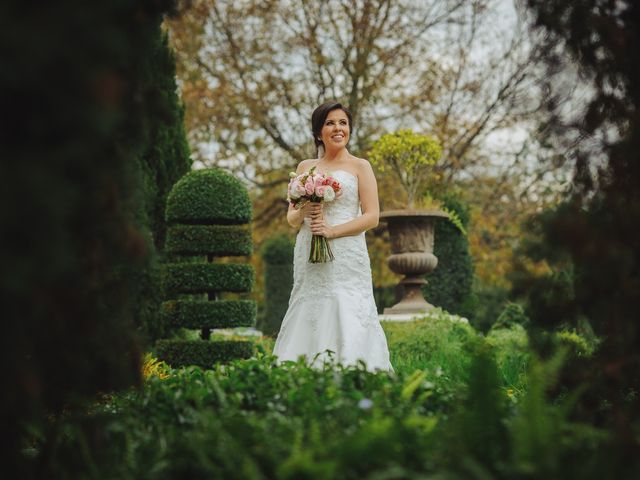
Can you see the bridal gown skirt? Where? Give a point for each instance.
(332, 315)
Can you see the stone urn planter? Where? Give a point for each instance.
(412, 239)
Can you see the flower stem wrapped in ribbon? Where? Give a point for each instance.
(313, 187)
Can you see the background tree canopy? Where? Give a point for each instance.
(465, 72)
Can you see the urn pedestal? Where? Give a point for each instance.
(412, 239)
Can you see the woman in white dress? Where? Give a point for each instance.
(332, 314)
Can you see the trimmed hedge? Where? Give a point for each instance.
(208, 277)
(210, 196)
(219, 240)
(277, 254)
(203, 353)
(450, 284)
(206, 211)
(204, 314)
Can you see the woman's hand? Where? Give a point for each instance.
(320, 227)
(312, 210)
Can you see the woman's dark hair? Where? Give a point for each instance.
(319, 116)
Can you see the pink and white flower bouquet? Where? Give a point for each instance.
(308, 187)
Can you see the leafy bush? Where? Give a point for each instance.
(207, 277)
(438, 343)
(450, 284)
(207, 210)
(209, 196)
(204, 314)
(202, 353)
(512, 314)
(220, 240)
(277, 254)
(576, 343)
(257, 419)
(511, 346)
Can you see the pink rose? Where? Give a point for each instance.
(309, 186)
(320, 190)
(318, 180)
(294, 190)
(299, 188)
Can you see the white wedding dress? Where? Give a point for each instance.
(331, 305)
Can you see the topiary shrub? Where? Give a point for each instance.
(277, 254)
(450, 284)
(207, 212)
(208, 197)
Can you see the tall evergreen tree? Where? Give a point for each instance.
(593, 241)
(76, 118)
(163, 159)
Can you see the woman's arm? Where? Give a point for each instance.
(368, 191)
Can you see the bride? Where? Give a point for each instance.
(332, 314)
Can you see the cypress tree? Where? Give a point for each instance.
(75, 120)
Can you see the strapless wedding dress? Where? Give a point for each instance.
(332, 314)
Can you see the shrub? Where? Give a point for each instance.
(206, 210)
(199, 314)
(438, 343)
(512, 314)
(207, 277)
(277, 254)
(450, 284)
(511, 346)
(202, 353)
(208, 197)
(219, 240)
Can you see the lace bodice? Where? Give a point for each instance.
(350, 272)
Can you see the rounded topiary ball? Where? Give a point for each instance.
(209, 196)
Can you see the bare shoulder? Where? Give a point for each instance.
(363, 166)
(305, 165)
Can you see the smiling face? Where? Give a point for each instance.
(335, 130)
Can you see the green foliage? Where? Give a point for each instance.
(512, 314)
(438, 343)
(256, 419)
(406, 148)
(74, 250)
(408, 156)
(160, 162)
(450, 284)
(277, 254)
(277, 250)
(166, 157)
(209, 196)
(596, 230)
(511, 346)
(209, 207)
(488, 303)
(203, 314)
(202, 353)
(478, 433)
(455, 218)
(207, 277)
(220, 240)
(577, 344)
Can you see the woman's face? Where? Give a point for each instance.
(335, 131)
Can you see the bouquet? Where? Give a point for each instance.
(313, 187)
